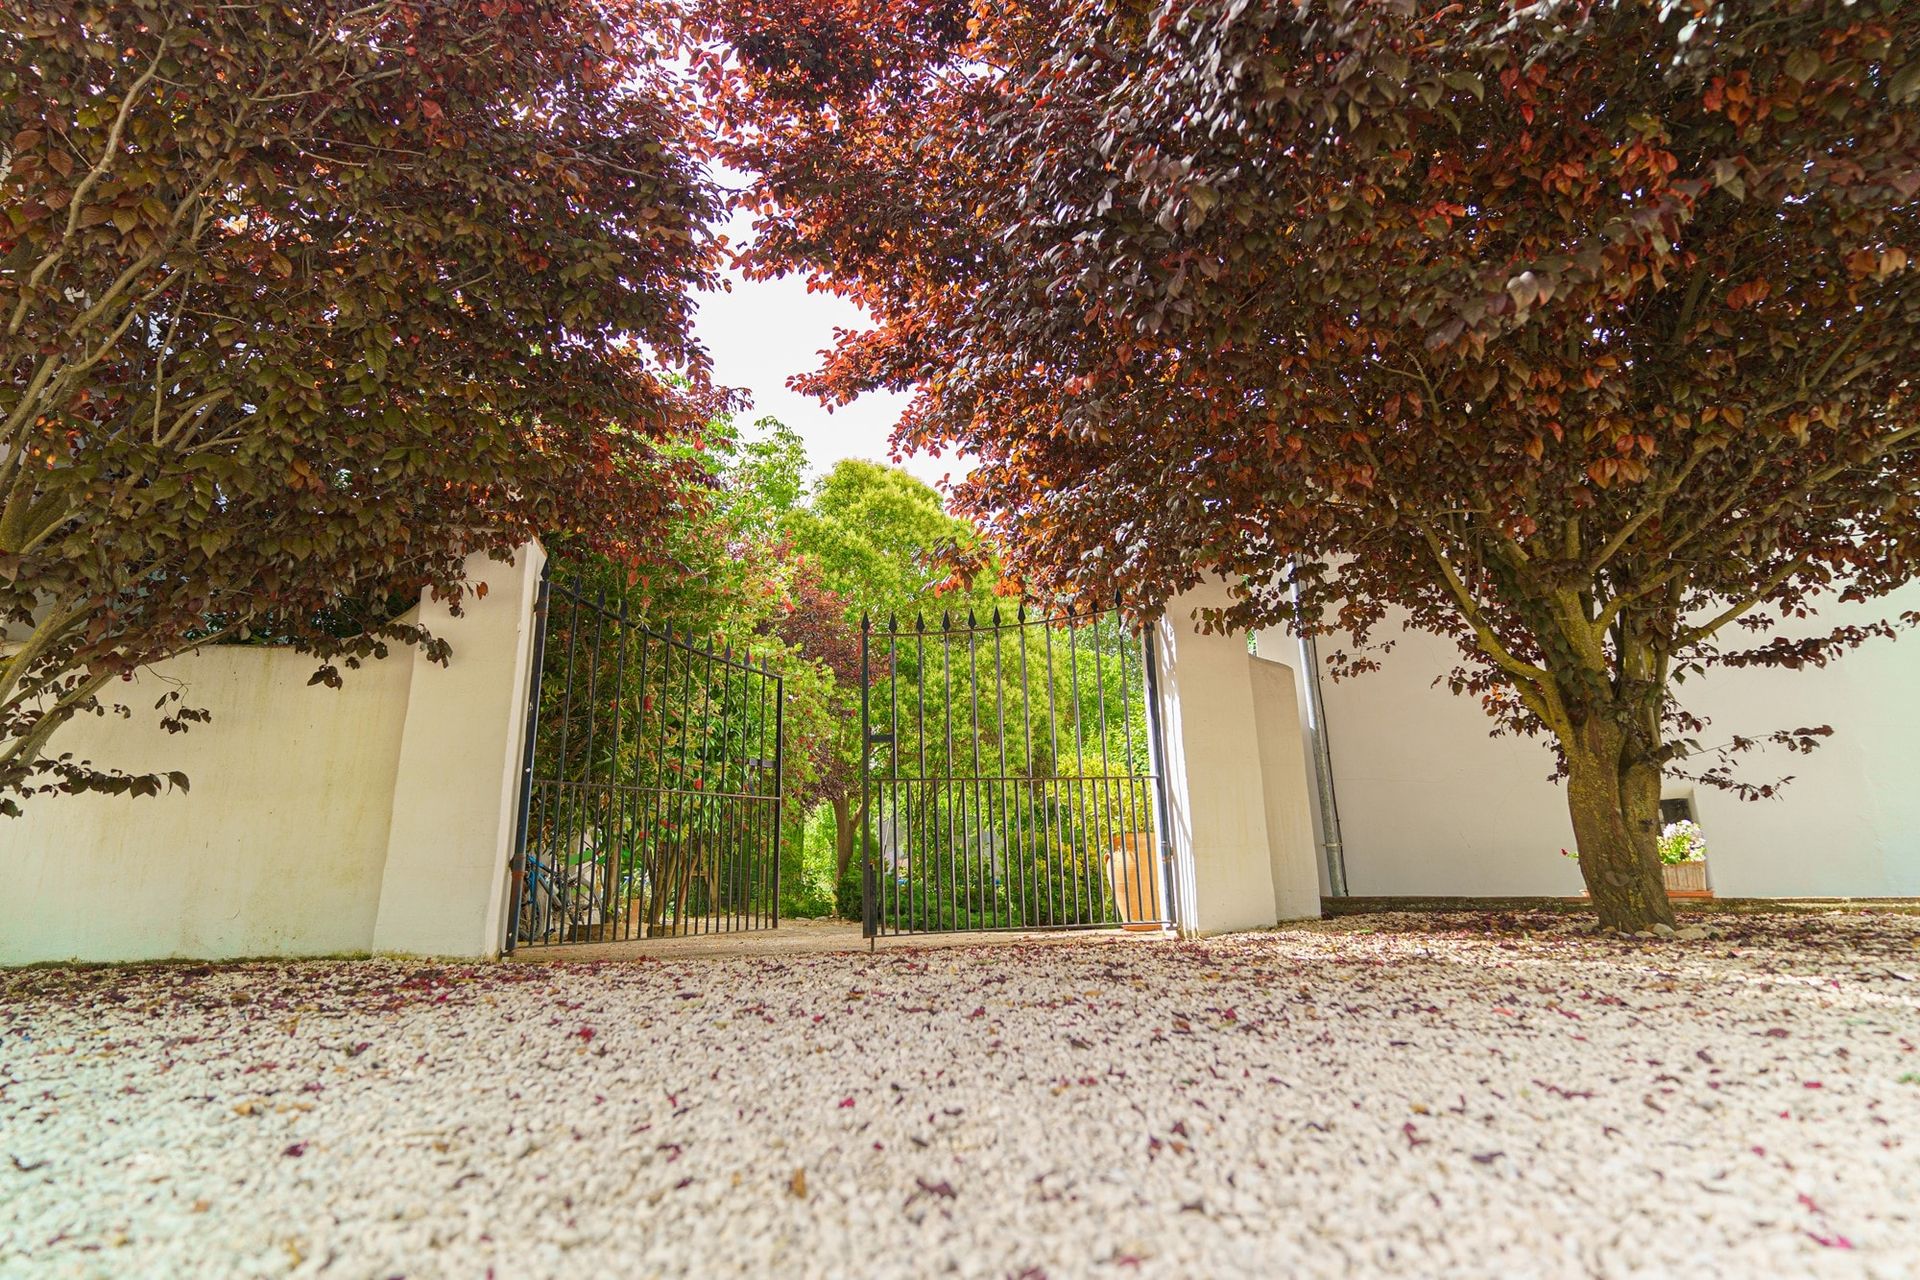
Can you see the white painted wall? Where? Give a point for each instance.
(1431, 805)
(270, 853)
(304, 803)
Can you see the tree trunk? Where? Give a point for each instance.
(1615, 804)
(842, 836)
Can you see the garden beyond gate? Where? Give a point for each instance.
(650, 801)
(1009, 781)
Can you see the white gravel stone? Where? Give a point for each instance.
(1433, 1096)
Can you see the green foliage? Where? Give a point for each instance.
(1025, 853)
(849, 889)
(808, 885)
(1682, 841)
(884, 541)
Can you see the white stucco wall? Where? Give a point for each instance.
(1430, 804)
(272, 850)
(287, 835)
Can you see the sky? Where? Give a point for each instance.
(762, 333)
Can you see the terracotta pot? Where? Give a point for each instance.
(1133, 876)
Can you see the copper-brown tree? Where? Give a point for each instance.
(303, 302)
(1583, 333)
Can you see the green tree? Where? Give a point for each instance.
(884, 543)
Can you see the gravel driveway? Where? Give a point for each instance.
(1448, 1095)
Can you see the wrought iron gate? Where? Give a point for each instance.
(650, 801)
(1008, 781)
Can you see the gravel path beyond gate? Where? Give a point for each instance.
(1444, 1095)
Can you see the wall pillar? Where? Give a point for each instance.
(456, 792)
(1285, 785)
(1216, 770)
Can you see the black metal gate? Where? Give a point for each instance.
(650, 801)
(1009, 781)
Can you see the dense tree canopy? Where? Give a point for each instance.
(1581, 332)
(302, 302)
(883, 545)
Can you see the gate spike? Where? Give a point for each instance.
(919, 622)
(996, 615)
(1022, 613)
(893, 623)
(971, 624)
(946, 620)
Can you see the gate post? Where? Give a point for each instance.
(1210, 760)
(456, 799)
(869, 882)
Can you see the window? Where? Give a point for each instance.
(1680, 810)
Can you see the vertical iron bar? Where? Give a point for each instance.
(1103, 853)
(1056, 896)
(525, 805)
(1001, 821)
(683, 880)
(1078, 808)
(977, 841)
(893, 757)
(719, 735)
(704, 801)
(740, 821)
(559, 892)
(922, 864)
(1156, 744)
(636, 856)
(869, 880)
(589, 772)
(583, 896)
(764, 876)
(1135, 794)
(1030, 901)
(517, 869)
(779, 782)
(609, 892)
(950, 904)
(654, 812)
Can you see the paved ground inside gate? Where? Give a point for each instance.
(1416, 1095)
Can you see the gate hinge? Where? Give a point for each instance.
(875, 739)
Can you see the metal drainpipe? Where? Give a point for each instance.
(1331, 849)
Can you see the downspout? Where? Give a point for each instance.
(1330, 848)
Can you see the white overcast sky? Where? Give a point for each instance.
(762, 333)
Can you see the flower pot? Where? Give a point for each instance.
(1133, 877)
(1686, 879)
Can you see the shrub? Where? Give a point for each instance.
(1682, 841)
